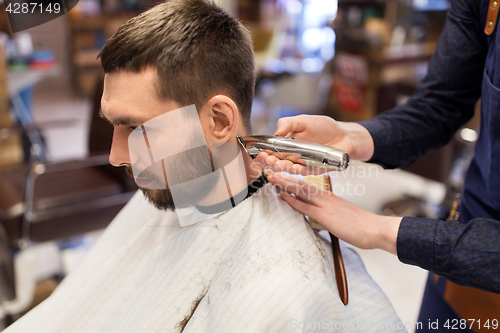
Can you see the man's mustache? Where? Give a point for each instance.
(143, 175)
(128, 171)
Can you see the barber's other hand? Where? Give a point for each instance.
(353, 138)
(343, 219)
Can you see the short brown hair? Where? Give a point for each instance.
(197, 49)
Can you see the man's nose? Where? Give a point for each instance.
(119, 155)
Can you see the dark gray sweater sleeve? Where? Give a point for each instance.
(467, 254)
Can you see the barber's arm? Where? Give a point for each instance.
(343, 219)
(467, 254)
(443, 101)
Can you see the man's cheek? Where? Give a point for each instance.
(170, 146)
(152, 177)
(188, 165)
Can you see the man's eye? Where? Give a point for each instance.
(137, 129)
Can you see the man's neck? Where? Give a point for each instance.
(236, 177)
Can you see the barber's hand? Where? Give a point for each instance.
(343, 219)
(350, 137)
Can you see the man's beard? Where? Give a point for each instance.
(161, 199)
(183, 167)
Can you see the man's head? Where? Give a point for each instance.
(197, 50)
(179, 53)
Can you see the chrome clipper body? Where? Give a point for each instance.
(308, 154)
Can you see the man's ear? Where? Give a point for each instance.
(219, 118)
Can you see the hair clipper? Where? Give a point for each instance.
(308, 154)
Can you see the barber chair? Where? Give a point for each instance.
(49, 201)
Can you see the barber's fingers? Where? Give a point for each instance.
(297, 169)
(287, 126)
(273, 162)
(298, 187)
(299, 205)
(267, 161)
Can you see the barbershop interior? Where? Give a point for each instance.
(350, 60)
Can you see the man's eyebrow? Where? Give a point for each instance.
(129, 121)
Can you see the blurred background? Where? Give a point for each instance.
(347, 59)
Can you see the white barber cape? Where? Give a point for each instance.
(258, 267)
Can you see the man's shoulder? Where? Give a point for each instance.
(136, 217)
(276, 234)
(275, 271)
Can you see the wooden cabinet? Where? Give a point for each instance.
(88, 36)
(10, 143)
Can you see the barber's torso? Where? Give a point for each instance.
(481, 195)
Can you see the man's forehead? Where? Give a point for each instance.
(130, 86)
(132, 95)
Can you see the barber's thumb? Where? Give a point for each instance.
(283, 127)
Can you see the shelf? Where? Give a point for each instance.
(88, 35)
(410, 51)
